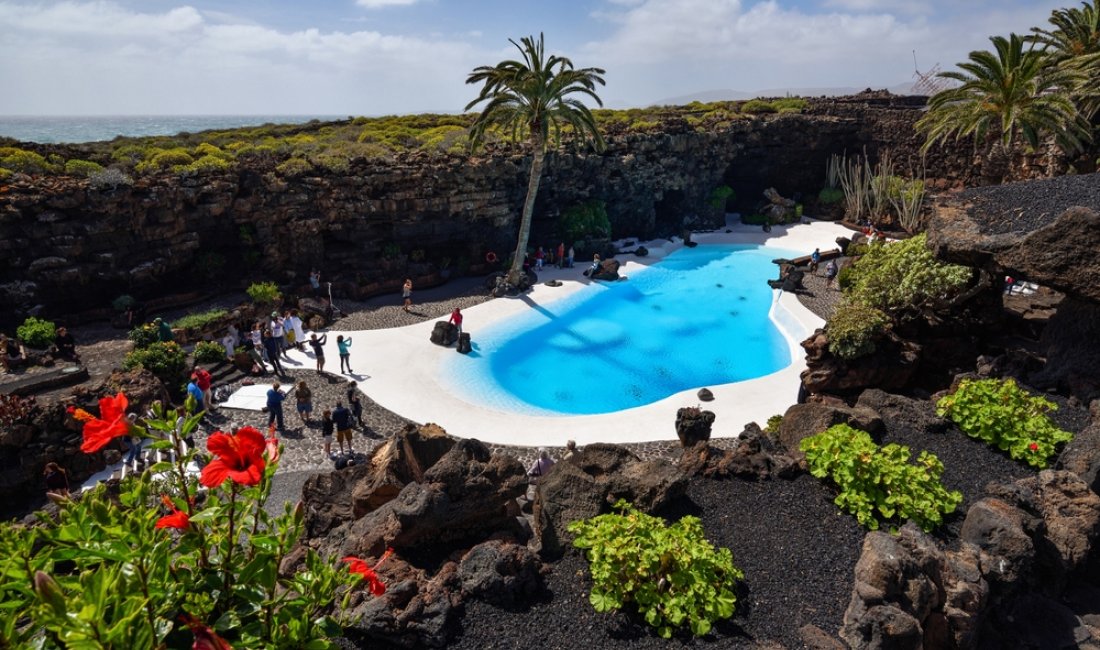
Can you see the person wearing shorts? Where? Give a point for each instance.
(327, 428)
(341, 417)
(304, 398)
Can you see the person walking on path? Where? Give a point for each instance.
(456, 319)
(344, 346)
(327, 427)
(341, 417)
(830, 273)
(406, 293)
(318, 349)
(275, 406)
(815, 259)
(271, 346)
(354, 403)
(304, 398)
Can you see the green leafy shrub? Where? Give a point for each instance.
(758, 107)
(854, 328)
(36, 332)
(672, 574)
(206, 164)
(264, 293)
(24, 162)
(789, 104)
(773, 424)
(830, 195)
(137, 566)
(76, 167)
(588, 219)
(144, 335)
(1001, 414)
(208, 352)
(844, 277)
(206, 149)
(165, 360)
(171, 158)
(294, 167)
(720, 196)
(904, 275)
(123, 302)
(879, 484)
(201, 319)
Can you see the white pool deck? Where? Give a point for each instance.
(399, 368)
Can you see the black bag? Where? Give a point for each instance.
(464, 343)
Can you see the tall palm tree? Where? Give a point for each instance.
(530, 99)
(1074, 42)
(1004, 94)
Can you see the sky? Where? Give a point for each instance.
(380, 57)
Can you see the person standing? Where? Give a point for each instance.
(561, 255)
(164, 331)
(195, 392)
(256, 334)
(304, 398)
(539, 258)
(831, 271)
(569, 258)
(275, 406)
(343, 345)
(456, 319)
(204, 381)
(354, 403)
(229, 342)
(295, 324)
(318, 349)
(341, 417)
(327, 428)
(271, 346)
(815, 259)
(406, 293)
(278, 332)
(315, 282)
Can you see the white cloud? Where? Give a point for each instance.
(377, 4)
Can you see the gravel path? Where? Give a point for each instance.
(1028, 206)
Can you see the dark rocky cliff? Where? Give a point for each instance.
(68, 247)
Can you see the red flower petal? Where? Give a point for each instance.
(240, 457)
(110, 424)
(205, 638)
(177, 519)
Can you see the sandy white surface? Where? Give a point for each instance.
(400, 368)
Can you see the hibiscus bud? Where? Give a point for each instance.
(49, 591)
(299, 511)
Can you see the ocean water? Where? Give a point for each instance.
(699, 317)
(75, 129)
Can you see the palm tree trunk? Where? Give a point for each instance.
(516, 272)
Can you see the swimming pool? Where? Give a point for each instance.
(698, 317)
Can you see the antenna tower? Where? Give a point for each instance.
(927, 83)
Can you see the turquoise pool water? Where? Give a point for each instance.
(699, 317)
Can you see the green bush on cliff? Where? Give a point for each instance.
(200, 320)
(586, 219)
(36, 332)
(165, 360)
(904, 275)
(165, 159)
(206, 164)
(853, 329)
(264, 293)
(207, 149)
(294, 167)
(24, 162)
(77, 167)
(758, 107)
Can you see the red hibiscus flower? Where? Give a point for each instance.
(240, 457)
(110, 424)
(205, 638)
(355, 565)
(1033, 447)
(178, 519)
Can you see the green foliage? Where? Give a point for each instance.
(208, 352)
(36, 332)
(207, 164)
(264, 293)
(879, 484)
(5, 173)
(165, 360)
(588, 219)
(844, 276)
(830, 195)
(773, 424)
(167, 159)
(790, 104)
(102, 574)
(672, 574)
(200, 320)
(720, 196)
(294, 167)
(144, 335)
(904, 275)
(76, 167)
(1003, 415)
(758, 107)
(854, 328)
(24, 162)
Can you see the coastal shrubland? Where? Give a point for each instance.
(904, 276)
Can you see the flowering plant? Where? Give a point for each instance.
(165, 560)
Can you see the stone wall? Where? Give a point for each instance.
(69, 247)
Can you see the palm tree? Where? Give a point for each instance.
(1004, 94)
(1075, 42)
(530, 99)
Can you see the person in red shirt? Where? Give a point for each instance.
(203, 381)
(456, 318)
(561, 255)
